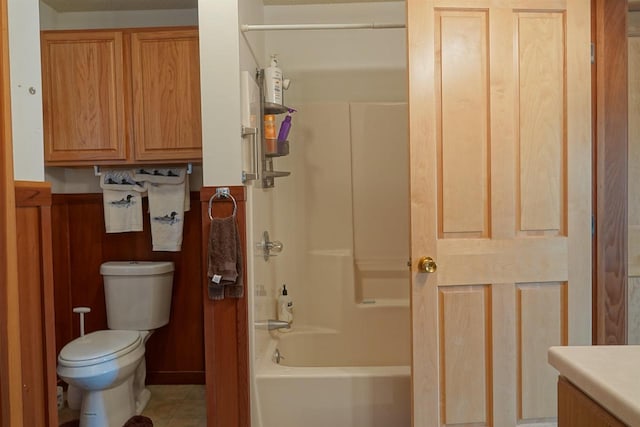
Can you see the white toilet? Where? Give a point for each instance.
(108, 367)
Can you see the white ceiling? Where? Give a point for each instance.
(94, 5)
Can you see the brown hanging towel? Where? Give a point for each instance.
(225, 259)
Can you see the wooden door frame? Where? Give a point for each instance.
(10, 360)
(610, 130)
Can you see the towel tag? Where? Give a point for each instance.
(216, 278)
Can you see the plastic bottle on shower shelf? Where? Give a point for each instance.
(285, 126)
(285, 307)
(273, 82)
(270, 133)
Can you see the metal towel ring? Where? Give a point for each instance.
(222, 193)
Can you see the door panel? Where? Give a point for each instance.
(464, 332)
(541, 324)
(83, 104)
(461, 38)
(165, 68)
(541, 120)
(500, 190)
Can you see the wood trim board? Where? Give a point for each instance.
(35, 270)
(610, 121)
(226, 329)
(10, 352)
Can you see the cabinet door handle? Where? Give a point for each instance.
(253, 133)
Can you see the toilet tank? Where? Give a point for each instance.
(137, 294)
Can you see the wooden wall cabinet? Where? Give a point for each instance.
(121, 96)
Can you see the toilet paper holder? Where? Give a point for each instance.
(82, 311)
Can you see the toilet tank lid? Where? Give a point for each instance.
(135, 268)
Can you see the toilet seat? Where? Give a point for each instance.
(99, 347)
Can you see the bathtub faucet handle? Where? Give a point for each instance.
(268, 246)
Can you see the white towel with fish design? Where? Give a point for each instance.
(167, 194)
(122, 201)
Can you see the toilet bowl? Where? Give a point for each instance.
(107, 367)
(101, 364)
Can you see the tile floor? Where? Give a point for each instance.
(170, 406)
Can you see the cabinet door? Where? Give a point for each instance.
(83, 105)
(166, 95)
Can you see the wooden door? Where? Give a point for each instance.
(82, 95)
(500, 198)
(166, 95)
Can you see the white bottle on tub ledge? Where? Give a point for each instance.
(285, 307)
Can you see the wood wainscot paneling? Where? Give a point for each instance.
(226, 328)
(33, 227)
(175, 352)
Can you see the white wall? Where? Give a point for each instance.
(252, 43)
(340, 65)
(259, 201)
(52, 20)
(338, 49)
(26, 107)
(327, 67)
(220, 88)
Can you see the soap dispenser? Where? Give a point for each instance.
(285, 307)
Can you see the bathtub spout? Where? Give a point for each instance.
(272, 324)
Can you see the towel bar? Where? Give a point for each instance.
(97, 172)
(222, 193)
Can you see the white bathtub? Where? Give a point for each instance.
(323, 382)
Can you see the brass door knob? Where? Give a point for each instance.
(426, 264)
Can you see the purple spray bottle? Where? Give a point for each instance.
(285, 127)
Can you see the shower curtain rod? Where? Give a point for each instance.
(275, 27)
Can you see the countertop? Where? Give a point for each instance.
(610, 375)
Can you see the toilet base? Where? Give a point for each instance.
(119, 400)
(141, 400)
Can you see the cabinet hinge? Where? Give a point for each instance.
(593, 53)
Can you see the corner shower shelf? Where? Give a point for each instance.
(275, 174)
(271, 108)
(283, 149)
(264, 172)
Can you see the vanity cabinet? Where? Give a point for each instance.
(576, 409)
(598, 385)
(121, 96)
